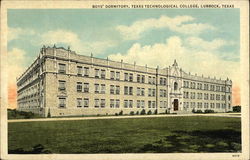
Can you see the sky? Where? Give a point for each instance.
(203, 41)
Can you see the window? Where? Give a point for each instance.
(97, 88)
(130, 90)
(142, 103)
(229, 97)
(130, 103)
(97, 73)
(112, 75)
(149, 80)
(79, 102)
(138, 103)
(143, 79)
(103, 74)
(97, 103)
(125, 76)
(112, 103)
(103, 103)
(86, 102)
(103, 88)
(211, 96)
(125, 103)
(131, 77)
(79, 70)
(62, 68)
(62, 102)
(62, 86)
(154, 81)
(153, 92)
(175, 86)
(153, 104)
(125, 90)
(149, 104)
(142, 91)
(138, 78)
(86, 71)
(217, 97)
(117, 75)
(138, 91)
(149, 92)
(86, 87)
(117, 103)
(162, 104)
(112, 89)
(117, 91)
(79, 87)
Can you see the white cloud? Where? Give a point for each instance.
(191, 60)
(207, 45)
(16, 33)
(70, 38)
(177, 24)
(16, 64)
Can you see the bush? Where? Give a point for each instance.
(209, 111)
(116, 114)
(143, 112)
(121, 112)
(132, 113)
(149, 112)
(199, 111)
(49, 115)
(236, 108)
(137, 113)
(167, 111)
(15, 114)
(156, 111)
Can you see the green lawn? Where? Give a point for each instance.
(141, 135)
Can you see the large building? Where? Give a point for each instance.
(62, 83)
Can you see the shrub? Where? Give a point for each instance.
(132, 113)
(49, 115)
(237, 108)
(156, 111)
(121, 112)
(209, 111)
(149, 112)
(137, 113)
(193, 110)
(116, 114)
(167, 111)
(143, 112)
(199, 111)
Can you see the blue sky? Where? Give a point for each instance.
(99, 25)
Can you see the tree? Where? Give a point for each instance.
(236, 108)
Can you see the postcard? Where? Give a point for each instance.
(125, 80)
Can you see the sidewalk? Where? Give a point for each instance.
(233, 115)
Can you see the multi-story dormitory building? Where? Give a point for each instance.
(61, 83)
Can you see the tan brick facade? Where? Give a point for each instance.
(63, 83)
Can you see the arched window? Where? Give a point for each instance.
(175, 85)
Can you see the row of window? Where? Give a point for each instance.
(204, 86)
(205, 105)
(205, 96)
(114, 103)
(114, 75)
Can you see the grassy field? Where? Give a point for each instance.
(141, 135)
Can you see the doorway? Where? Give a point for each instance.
(176, 104)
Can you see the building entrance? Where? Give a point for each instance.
(176, 104)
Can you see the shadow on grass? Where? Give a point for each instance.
(197, 141)
(37, 149)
